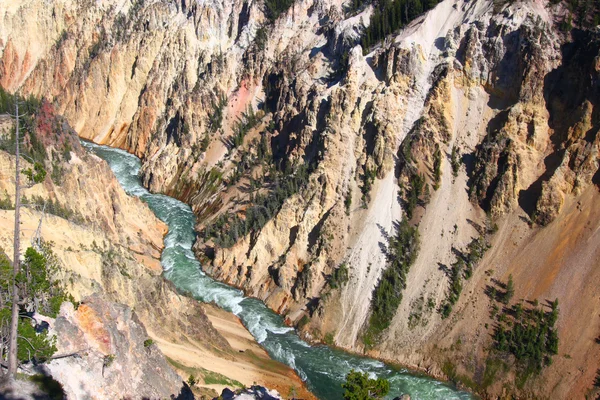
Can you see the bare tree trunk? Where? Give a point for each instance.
(12, 344)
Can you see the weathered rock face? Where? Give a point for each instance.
(498, 88)
(115, 359)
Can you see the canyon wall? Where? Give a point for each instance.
(299, 152)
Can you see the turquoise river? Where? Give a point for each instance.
(323, 368)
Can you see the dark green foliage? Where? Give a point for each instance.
(57, 173)
(414, 192)
(583, 13)
(249, 160)
(64, 35)
(339, 276)
(303, 321)
(529, 335)
(248, 121)
(510, 290)
(341, 66)
(387, 296)
(261, 38)
(456, 274)
(437, 165)
(455, 162)
(37, 175)
(6, 203)
(359, 386)
(355, 6)
(274, 8)
(348, 201)
(368, 179)
(109, 359)
(7, 142)
(191, 381)
(29, 107)
(205, 142)
(34, 346)
(36, 273)
(39, 293)
(49, 386)
(229, 228)
(5, 272)
(55, 208)
(475, 252)
(242, 166)
(7, 102)
(462, 269)
(95, 50)
(36, 149)
(263, 151)
(66, 152)
(389, 16)
(148, 342)
(216, 118)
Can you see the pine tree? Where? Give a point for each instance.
(359, 386)
(510, 290)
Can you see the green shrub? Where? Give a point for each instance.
(389, 16)
(368, 179)
(261, 38)
(64, 35)
(530, 335)
(248, 121)
(455, 162)
(274, 8)
(437, 167)
(414, 192)
(229, 228)
(303, 321)
(348, 201)
(387, 296)
(55, 208)
(461, 269)
(510, 290)
(37, 175)
(109, 359)
(5, 203)
(359, 386)
(39, 293)
(339, 276)
(216, 118)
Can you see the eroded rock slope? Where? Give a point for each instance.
(300, 153)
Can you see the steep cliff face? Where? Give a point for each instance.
(118, 360)
(300, 154)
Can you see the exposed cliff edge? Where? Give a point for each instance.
(117, 359)
(299, 154)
